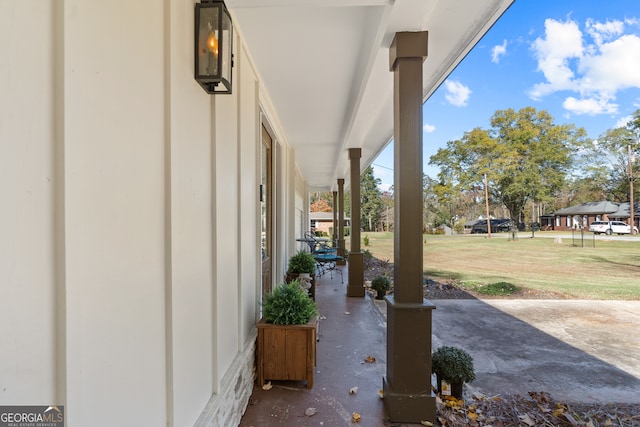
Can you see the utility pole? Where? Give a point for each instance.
(486, 203)
(631, 216)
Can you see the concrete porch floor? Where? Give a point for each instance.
(351, 329)
(578, 351)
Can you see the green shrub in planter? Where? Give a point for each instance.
(453, 365)
(302, 262)
(381, 284)
(288, 304)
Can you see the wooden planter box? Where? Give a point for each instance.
(286, 352)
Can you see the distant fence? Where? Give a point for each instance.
(577, 237)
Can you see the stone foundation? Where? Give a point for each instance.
(227, 407)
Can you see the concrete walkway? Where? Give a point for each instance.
(578, 351)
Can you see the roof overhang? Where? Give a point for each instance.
(325, 67)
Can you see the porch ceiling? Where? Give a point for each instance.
(325, 67)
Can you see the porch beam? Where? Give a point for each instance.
(241, 4)
(407, 385)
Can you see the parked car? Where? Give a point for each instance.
(610, 227)
(497, 226)
(535, 226)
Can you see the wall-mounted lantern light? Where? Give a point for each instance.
(213, 46)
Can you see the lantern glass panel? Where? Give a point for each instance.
(208, 42)
(227, 34)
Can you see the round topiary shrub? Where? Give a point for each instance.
(288, 304)
(453, 365)
(381, 284)
(302, 262)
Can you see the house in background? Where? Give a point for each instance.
(582, 215)
(143, 219)
(323, 221)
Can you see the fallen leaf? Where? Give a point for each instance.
(426, 423)
(309, 412)
(571, 419)
(544, 409)
(454, 403)
(267, 386)
(381, 393)
(355, 417)
(353, 390)
(370, 359)
(527, 420)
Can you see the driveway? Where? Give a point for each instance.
(576, 350)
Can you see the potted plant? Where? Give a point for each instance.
(286, 348)
(454, 367)
(303, 265)
(381, 284)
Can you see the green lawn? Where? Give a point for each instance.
(611, 270)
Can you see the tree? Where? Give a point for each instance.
(387, 215)
(525, 155)
(587, 187)
(606, 159)
(370, 201)
(431, 217)
(450, 205)
(439, 207)
(321, 201)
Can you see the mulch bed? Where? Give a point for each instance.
(536, 409)
(452, 289)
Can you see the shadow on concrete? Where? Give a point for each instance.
(578, 351)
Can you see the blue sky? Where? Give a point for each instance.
(577, 59)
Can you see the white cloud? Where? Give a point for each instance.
(623, 121)
(631, 21)
(595, 64)
(613, 67)
(428, 128)
(562, 42)
(604, 31)
(498, 51)
(457, 93)
(591, 106)
(385, 186)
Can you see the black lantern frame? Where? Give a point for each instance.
(213, 46)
